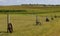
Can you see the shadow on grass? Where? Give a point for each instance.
(4, 33)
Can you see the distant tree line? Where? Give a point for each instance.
(13, 11)
(38, 5)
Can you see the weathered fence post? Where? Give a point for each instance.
(37, 21)
(47, 20)
(52, 18)
(9, 24)
(55, 16)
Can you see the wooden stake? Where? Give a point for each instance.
(37, 21)
(8, 18)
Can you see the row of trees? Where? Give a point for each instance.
(13, 11)
(37, 5)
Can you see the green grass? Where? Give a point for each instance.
(30, 9)
(24, 25)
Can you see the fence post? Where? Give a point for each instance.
(37, 21)
(9, 24)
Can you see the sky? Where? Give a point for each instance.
(19, 2)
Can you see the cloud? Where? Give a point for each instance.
(2, 0)
(49, 0)
(18, 2)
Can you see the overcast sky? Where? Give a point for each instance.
(18, 2)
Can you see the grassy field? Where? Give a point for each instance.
(32, 9)
(24, 25)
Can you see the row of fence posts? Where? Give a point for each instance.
(47, 20)
(10, 26)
